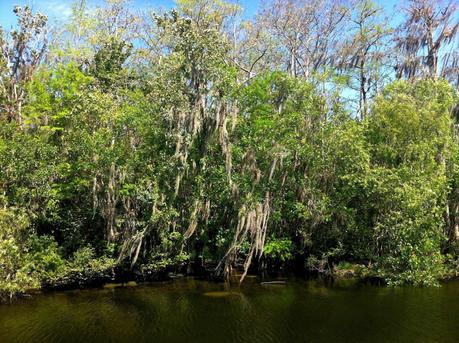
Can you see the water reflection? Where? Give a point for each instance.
(198, 311)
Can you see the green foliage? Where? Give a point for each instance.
(107, 66)
(150, 156)
(409, 133)
(82, 269)
(279, 249)
(411, 123)
(13, 237)
(43, 256)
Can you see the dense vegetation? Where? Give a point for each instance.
(155, 141)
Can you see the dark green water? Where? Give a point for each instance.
(197, 311)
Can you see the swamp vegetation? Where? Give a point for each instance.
(313, 137)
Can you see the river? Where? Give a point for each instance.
(187, 310)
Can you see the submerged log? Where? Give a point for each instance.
(267, 283)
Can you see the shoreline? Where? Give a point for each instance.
(125, 279)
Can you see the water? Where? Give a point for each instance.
(198, 311)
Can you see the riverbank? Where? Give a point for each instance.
(108, 275)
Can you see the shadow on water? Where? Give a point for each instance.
(187, 310)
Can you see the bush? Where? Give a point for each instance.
(25, 258)
(279, 249)
(13, 277)
(83, 269)
(29, 261)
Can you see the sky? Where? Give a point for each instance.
(60, 9)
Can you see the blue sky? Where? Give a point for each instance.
(59, 9)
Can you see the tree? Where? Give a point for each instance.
(363, 54)
(306, 31)
(196, 140)
(409, 131)
(430, 27)
(21, 55)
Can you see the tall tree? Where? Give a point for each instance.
(307, 32)
(363, 53)
(430, 28)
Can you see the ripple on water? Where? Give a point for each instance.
(198, 311)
